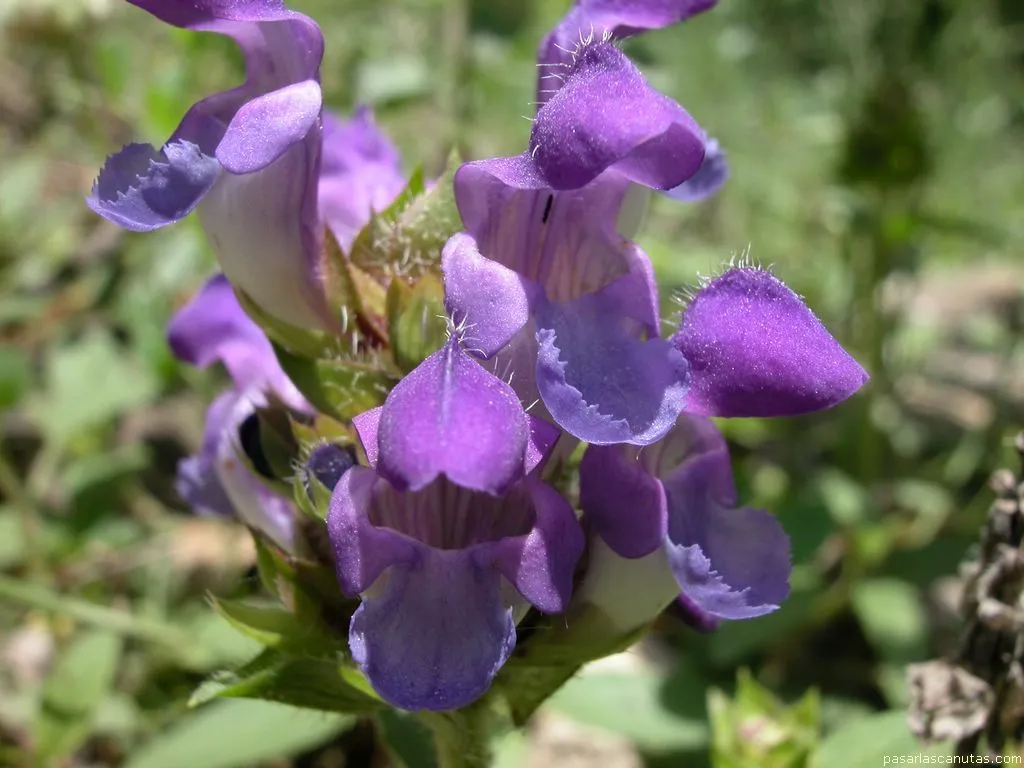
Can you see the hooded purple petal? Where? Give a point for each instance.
(607, 116)
(213, 327)
(755, 349)
(450, 416)
(259, 194)
(600, 381)
(360, 173)
(603, 19)
(491, 300)
(436, 634)
(708, 179)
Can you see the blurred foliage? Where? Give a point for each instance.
(877, 152)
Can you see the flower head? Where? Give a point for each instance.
(449, 534)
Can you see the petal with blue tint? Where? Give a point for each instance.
(729, 563)
(435, 635)
(755, 349)
(213, 327)
(141, 188)
(600, 380)
(362, 550)
(263, 129)
(607, 116)
(452, 417)
(708, 179)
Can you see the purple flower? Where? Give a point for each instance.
(252, 157)
(214, 328)
(450, 535)
(590, 20)
(542, 277)
(605, 20)
(671, 509)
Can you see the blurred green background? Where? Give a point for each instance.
(877, 154)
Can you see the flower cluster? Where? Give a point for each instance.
(459, 520)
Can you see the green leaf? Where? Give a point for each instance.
(893, 618)
(275, 627)
(658, 714)
(416, 320)
(408, 741)
(307, 683)
(239, 734)
(407, 238)
(15, 376)
(755, 729)
(866, 742)
(12, 537)
(339, 387)
(73, 692)
(87, 383)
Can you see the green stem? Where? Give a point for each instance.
(462, 737)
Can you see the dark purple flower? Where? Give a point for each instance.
(449, 535)
(211, 328)
(674, 503)
(755, 349)
(709, 178)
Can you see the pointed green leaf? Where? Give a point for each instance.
(81, 679)
(301, 682)
(239, 734)
(275, 627)
(417, 324)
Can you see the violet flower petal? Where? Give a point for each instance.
(624, 503)
(709, 178)
(607, 116)
(452, 417)
(213, 327)
(599, 380)
(490, 300)
(436, 634)
(755, 349)
(141, 188)
(360, 172)
(197, 482)
(261, 215)
(540, 564)
(219, 481)
(730, 563)
(601, 19)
